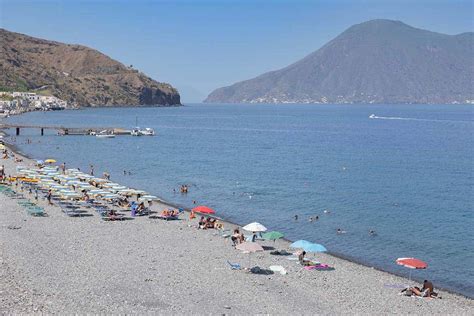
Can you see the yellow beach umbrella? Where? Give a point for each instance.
(2, 147)
(50, 161)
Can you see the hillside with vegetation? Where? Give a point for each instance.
(80, 75)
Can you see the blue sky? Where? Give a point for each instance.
(198, 46)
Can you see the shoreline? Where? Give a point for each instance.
(61, 264)
(15, 149)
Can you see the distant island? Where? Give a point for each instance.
(79, 75)
(379, 61)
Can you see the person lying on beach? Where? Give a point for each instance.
(85, 197)
(141, 208)
(124, 203)
(210, 222)
(202, 223)
(426, 291)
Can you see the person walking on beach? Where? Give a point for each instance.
(63, 167)
(92, 170)
(48, 197)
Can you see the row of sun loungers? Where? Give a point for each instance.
(31, 208)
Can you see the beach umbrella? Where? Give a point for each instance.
(50, 161)
(255, 227)
(274, 235)
(203, 209)
(140, 192)
(149, 198)
(314, 248)
(300, 244)
(110, 196)
(411, 263)
(249, 247)
(2, 147)
(118, 187)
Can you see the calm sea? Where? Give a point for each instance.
(407, 174)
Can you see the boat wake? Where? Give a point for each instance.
(373, 116)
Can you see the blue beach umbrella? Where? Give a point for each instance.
(314, 248)
(300, 244)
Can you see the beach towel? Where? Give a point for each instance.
(318, 267)
(278, 269)
(234, 266)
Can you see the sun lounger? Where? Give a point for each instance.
(167, 217)
(110, 218)
(35, 211)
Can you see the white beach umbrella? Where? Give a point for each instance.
(149, 198)
(255, 227)
(118, 187)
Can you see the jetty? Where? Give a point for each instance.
(65, 130)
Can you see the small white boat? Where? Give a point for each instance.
(372, 116)
(135, 132)
(105, 134)
(147, 132)
(142, 132)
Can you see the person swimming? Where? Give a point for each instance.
(372, 233)
(340, 231)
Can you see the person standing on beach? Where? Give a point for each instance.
(48, 197)
(2, 172)
(92, 170)
(63, 167)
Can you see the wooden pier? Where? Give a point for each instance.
(65, 130)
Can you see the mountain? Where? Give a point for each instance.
(78, 74)
(379, 61)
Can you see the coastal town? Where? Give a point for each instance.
(13, 103)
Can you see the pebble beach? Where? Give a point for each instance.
(61, 264)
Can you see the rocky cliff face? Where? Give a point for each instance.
(379, 61)
(77, 74)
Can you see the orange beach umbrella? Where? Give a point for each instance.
(411, 263)
(203, 209)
